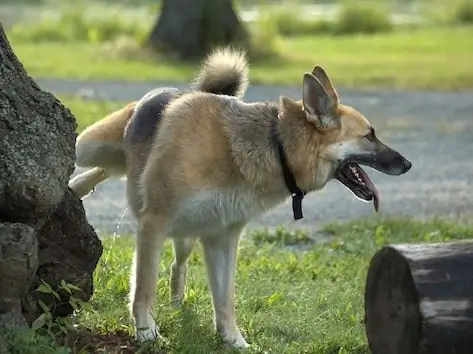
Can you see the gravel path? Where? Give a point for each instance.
(433, 130)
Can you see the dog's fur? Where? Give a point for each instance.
(200, 164)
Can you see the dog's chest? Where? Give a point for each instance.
(215, 210)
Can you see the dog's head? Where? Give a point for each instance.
(337, 139)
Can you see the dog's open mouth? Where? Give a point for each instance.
(356, 179)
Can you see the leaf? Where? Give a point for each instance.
(66, 286)
(40, 322)
(44, 288)
(73, 287)
(56, 295)
(43, 306)
(73, 303)
(274, 298)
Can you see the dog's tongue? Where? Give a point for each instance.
(373, 190)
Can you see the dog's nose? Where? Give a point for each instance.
(407, 165)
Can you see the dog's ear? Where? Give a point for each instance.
(321, 75)
(320, 107)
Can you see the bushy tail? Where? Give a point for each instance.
(224, 71)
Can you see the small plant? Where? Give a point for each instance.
(43, 335)
(46, 324)
(357, 17)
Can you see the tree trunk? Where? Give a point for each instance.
(418, 299)
(44, 234)
(191, 28)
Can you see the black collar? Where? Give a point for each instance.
(296, 193)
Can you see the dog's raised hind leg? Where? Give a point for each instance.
(149, 243)
(85, 182)
(221, 256)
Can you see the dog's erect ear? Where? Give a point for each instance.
(321, 75)
(319, 106)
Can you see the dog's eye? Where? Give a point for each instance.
(371, 136)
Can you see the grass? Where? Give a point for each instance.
(427, 58)
(287, 302)
(89, 111)
(352, 17)
(361, 47)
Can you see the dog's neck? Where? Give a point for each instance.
(296, 193)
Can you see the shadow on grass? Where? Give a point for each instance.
(191, 326)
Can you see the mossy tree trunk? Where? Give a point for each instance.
(190, 28)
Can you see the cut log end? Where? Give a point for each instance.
(391, 313)
(418, 299)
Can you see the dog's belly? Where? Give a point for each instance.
(212, 212)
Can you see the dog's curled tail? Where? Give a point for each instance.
(224, 71)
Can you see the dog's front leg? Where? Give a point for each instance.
(221, 256)
(149, 243)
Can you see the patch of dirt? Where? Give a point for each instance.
(83, 340)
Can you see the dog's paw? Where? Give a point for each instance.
(235, 340)
(150, 334)
(147, 334)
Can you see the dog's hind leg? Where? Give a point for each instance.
(149, 244)
(182, 250)
(85, 182)
(221, 257)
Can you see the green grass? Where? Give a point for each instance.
(428, 58)
(352, 17)
(89, 111)
(287, 302)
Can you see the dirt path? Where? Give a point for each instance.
(434, 130)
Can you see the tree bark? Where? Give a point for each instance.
(44, 234)
(191, 28)
(418, 299)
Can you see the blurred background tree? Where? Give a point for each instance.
(190, 28)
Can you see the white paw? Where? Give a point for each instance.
(150, 333)
(235, 340)
(145, 334)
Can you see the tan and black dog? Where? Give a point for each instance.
(200, 164)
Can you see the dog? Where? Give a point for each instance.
(201, 163)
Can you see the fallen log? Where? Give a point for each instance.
(419, 299)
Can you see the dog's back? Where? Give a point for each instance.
(123, 137)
